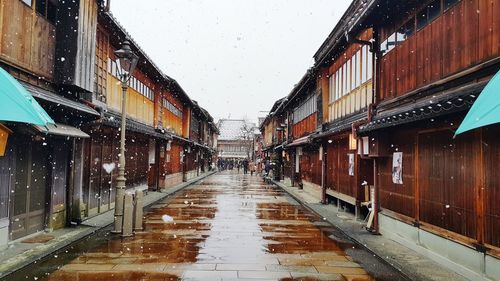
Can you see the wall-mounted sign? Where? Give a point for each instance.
(397, 168)
(353, 142)
(351, 164)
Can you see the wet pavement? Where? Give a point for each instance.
(228, 227)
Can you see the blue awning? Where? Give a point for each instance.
(17, 105)
(485, 110)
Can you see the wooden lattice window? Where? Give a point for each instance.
(101, 65)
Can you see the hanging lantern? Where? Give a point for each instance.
(4, 135)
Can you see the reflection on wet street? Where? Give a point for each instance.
(228, 227)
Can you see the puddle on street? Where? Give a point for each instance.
(228, 227)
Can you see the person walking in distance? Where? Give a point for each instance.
(245, 166)
(252, 168)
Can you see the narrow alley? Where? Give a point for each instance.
(229, 226)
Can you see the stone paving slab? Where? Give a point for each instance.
(19, 255)
(409, 262)
(243, 229)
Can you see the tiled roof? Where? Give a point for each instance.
(231, 129)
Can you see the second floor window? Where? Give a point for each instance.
(305, 109)
(46, 8)
(134, 83)
(352, 74)
(172, 108)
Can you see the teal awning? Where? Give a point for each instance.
(485, 110)
(17, 105)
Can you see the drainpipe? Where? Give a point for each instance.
(375, 225)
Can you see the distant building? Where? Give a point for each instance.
(236, 139)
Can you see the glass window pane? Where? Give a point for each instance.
(359, 68)
(354, 71)
(422, 19)
(41, 7)
(449, 3)
(364, 67)
(52, 11)
(434, 9)
(369, 68)
(28, 2)
(405, 31)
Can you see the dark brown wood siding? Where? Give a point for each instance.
(491, 147)
(449, 185)
(396, 197)
(27, 40)
(446, 174)
(337, 167)
(77, 44)
(464, 35)
(310, 166)
(305, 127)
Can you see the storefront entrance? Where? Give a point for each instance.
(30, 188)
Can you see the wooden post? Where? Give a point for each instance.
(375, 207)
(323, 175)
(417, 183)
(479, 185)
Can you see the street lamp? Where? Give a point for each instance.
(127, 61)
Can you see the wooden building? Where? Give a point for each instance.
(298, 116)
(345, 71)
(435, 58)
(274, 131)
(393, 81)
(62, 52)
(37, 171)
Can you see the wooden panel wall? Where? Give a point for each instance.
(190, 160)
(337, 168)
(76, 43)
(86, 48)
(447, 183)
(137, 159)
(138, 106)
(269, 130)
(169, 120)
(101, 67)
(305, 127)
(7, 166)
(27, 40)
(310, 166)
(463, 36)
(446, 175)
(399, 198)
(491, 150)
(175, 165)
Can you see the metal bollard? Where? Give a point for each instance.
(138, 210)
(128, 212)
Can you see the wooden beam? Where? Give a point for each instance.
(479, 186)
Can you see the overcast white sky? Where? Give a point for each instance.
(235, 57)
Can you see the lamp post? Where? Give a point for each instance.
(127, 61)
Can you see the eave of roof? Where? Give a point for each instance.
(169, 82)
(350, 22)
